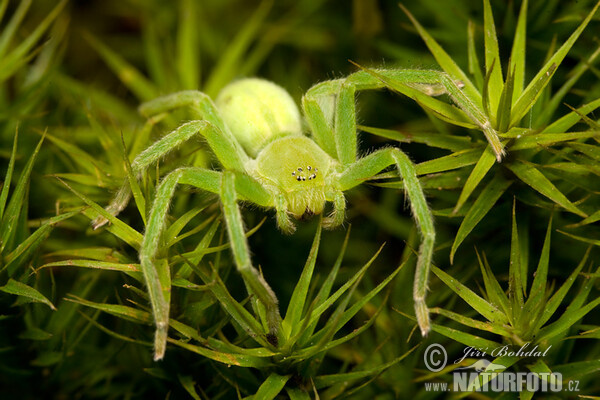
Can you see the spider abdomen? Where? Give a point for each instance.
(256, 111)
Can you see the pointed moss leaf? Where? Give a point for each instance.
(577, 370)
(320, 309)
(237, 311)
(189, 384)
(492, 287)
(138, 197)
(188, 49)
(87, 162)
(19, 56)
(538, 287)
(472, 323)
(434, 139)
(565, 123)
(486, 309)
(445, 61)
(556, 299)
(325, 289)
(539, 82)
(517, 55)
(591, 334)
(595, 217)
(239, 360)
(296, 305)
(108, 266)
(538, 141)
(11, 27)
(581, 296)
(474, 66)
(557, 99)
(492, 57)
(297, 394)
(534, 178)
(118, 310)
(48, 358)
(324, 381)
(484, 203)
(465, 338)
(35, 334)
(12, 214)
(227, 66)
(131, 77)
(484, 379)
(452, 161)
(21, 289)
(176, 227)
(515, 279)
(271, 387)
(567, 320)
(531, 94)
(588, 149)
(356, 307)
(595, 242)
(172, 239)
(486, 161)
(121, 229)
(8, 177)
(24, 251)
(324, 337)
(200, 250)
(505, 104)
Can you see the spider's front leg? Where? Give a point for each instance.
(228, 185)
(415, 83)
(331, 111)
(365, 168)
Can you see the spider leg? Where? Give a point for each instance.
(431, 83)
(284, 222)
(318, 105)
(156, 272)
(217, 140)
(239, 247)
(227, 149)
(356, 173)
(321, 100)
(336, 218)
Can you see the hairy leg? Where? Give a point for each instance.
(374, 163)
(156, 274)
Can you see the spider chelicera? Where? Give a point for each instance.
(254, 129)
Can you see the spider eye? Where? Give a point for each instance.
(300, 177)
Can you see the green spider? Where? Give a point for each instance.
(254, 129)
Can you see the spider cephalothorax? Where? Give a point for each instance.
(300, 170)
(255, 131)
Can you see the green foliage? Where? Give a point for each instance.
(516, 255)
